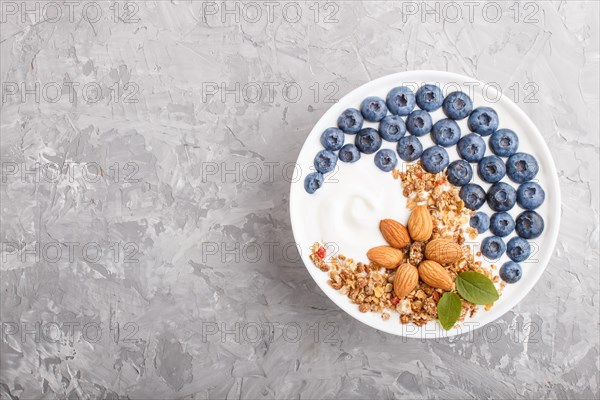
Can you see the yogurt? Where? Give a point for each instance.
(350, 205)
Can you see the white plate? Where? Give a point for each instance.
(346, 211)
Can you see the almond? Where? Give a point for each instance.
(443, 251)
(407, 278)
(394, 233)
(420, 224)
(435, 275)
(385, 256)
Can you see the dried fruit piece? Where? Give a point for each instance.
(443, 251)
(406, 279)
(420, 225)
(321, 252)
(394, 233)
(385, 256)
(435, 275)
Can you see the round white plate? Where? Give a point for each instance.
(346, 211)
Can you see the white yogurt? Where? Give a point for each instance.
(352, 202)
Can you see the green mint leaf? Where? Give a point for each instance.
(448, 309)
(476, 288)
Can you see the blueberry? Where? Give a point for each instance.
(313, 182)
(325, 161)
(409, 148)
(510, 272)
(332, 139)
(429, 97)
(471, 147)
(491, 169)
(472, 195)
(392, 128)
(530, 195)
(493, 247)
(504, 142)
(459, 173)
(483, 120)
(368, 140)
(480, 221)
(386, 160)
(518, 249)
(400, 100)
(502, 224)
(457, 105)
(529, 225)
(521, 167)
(349, 153)
(373, 108)
(445, 132)
(350, 121)
(419, 123)
(434, 159)
(501, 196)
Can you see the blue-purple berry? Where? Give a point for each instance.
(392, 128)
(332, 139)
(480, 221)
(459, 172)
(518, 249)
(373, 108)
(349, 153)
(429, 97)
(350, 121)
(510, 272)
(483, 120)
(400, 100)
(457, 105)
(409, 148)
(313, 182)
(386, 160)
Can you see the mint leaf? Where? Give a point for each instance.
(448, 309)
(476, 288)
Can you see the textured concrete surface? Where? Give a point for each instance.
(149, 253)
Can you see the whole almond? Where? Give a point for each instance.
(435, 275)
(443, 251)
(394, 233)
(407, 278)
(385, 256)
(420, 224)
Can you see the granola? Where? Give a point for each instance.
(371, 287)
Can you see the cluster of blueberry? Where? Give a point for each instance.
(400, 101)
(520, 167)
(501, 197)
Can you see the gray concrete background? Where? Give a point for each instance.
(163, 266)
